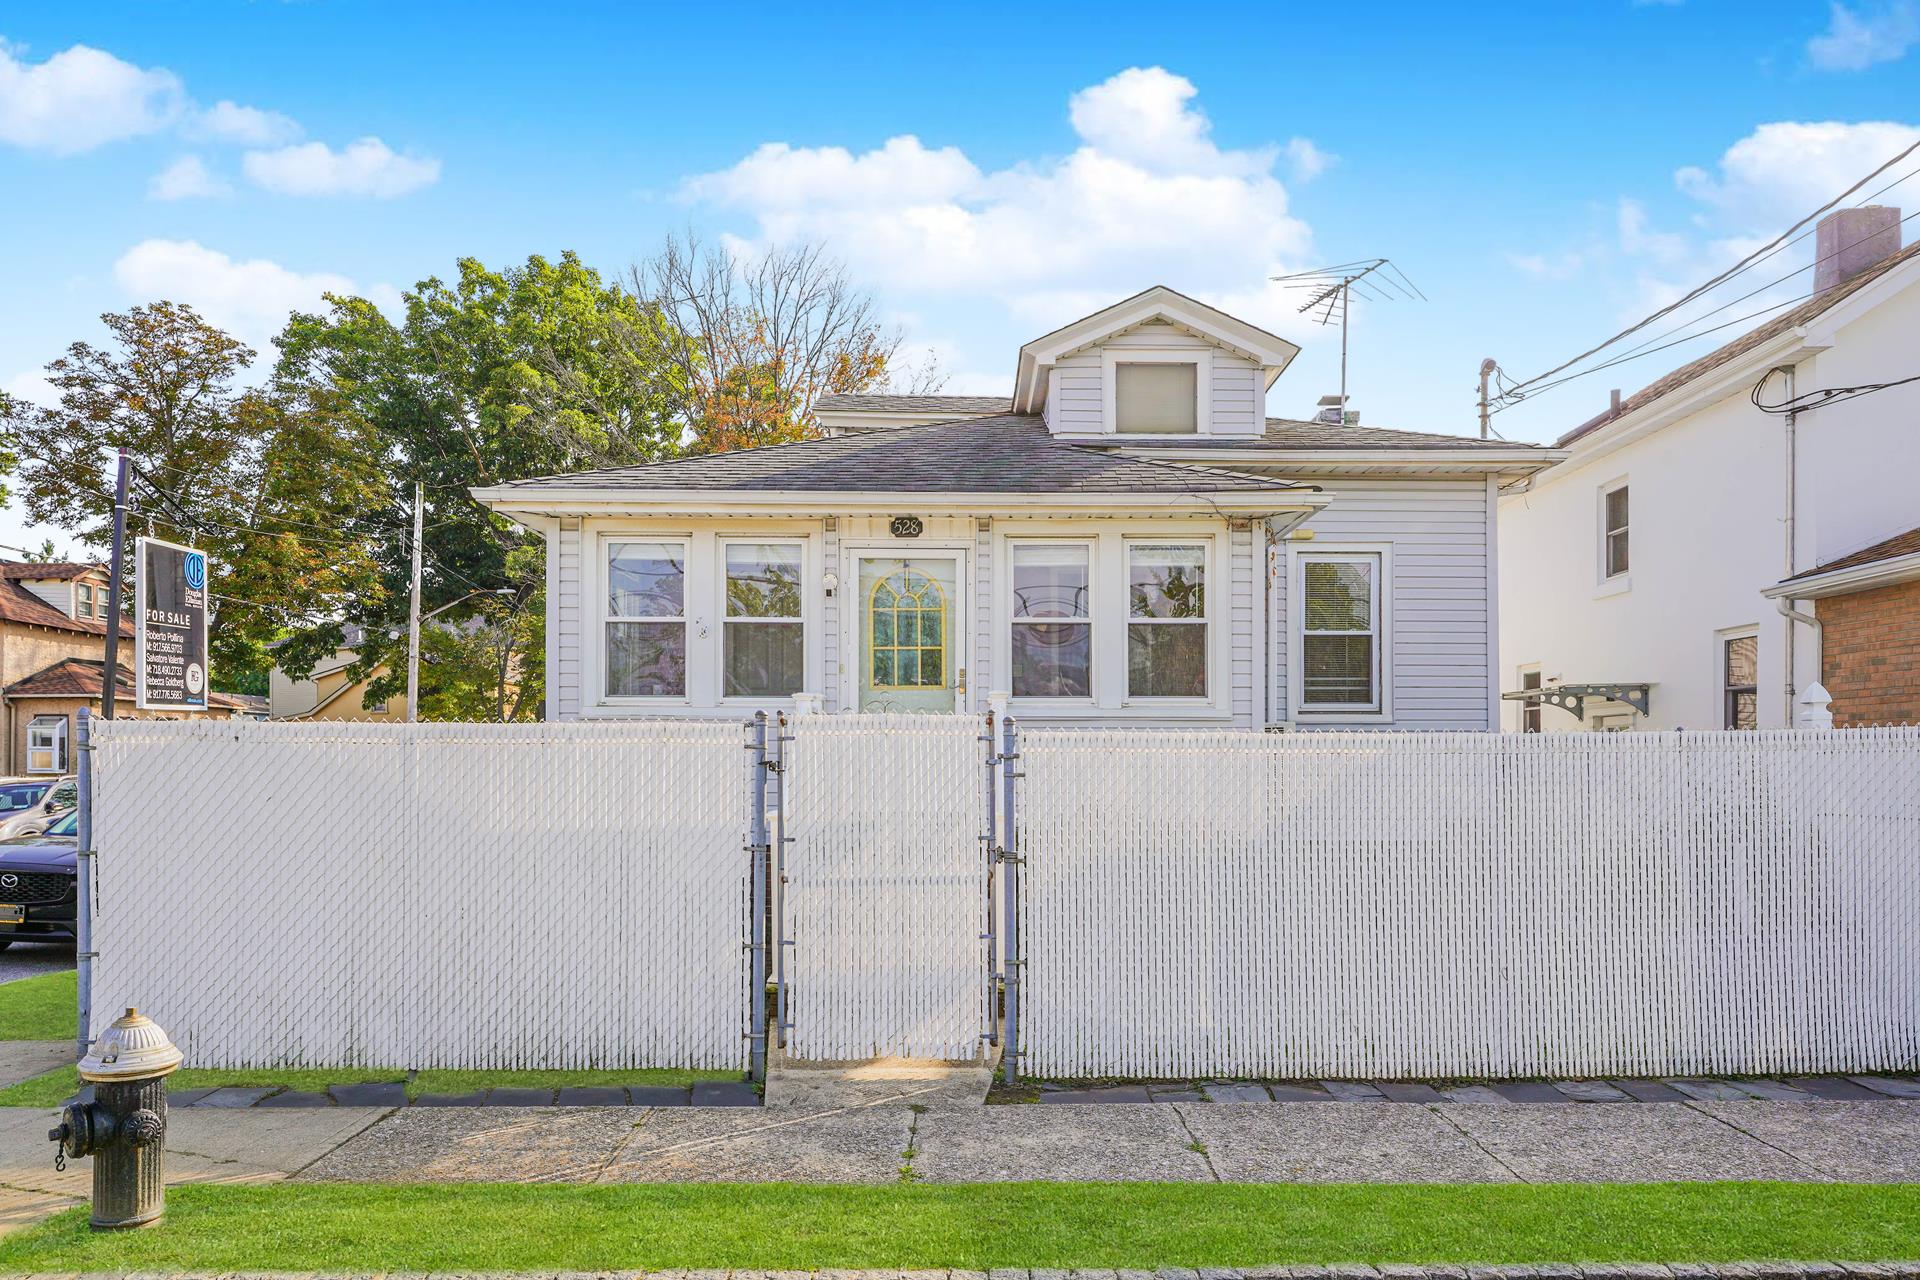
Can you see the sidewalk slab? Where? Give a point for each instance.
(1069, 1144)
(1652, 1142)
(1847, 1141)
(935, 1085)
(1337, 1142)
(480, 1144)
(787, 1144)
(25, 1059)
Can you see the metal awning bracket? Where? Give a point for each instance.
(1572, 698)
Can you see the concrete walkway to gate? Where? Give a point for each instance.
(1231, 1142)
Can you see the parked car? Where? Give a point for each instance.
(61, 795)
(37, 883)
(22, 793)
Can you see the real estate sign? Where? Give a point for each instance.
(170, 628)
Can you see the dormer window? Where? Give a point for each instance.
(1156, 399)
(1156, 391)
(83, 600)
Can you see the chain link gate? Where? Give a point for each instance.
(883, 853)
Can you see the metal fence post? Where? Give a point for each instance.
(83, 884)
(782, 1023)
(990, 855)
(757, 913)
(1010, 860)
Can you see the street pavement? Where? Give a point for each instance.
(31, 959)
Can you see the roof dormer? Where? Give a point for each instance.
(1158, 365)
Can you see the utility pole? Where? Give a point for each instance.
(110, 669)
(1487, 367)
(413, 613)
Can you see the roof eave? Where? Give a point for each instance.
(1510, 462)
(1839, 582)
(518, 502)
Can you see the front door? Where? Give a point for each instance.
(907, 633)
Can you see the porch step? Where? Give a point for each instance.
(878, 1081)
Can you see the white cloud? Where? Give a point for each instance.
(250, 299)
(1782, 171)
(81, 98)
(1855, 39)
(1307, 161)
(187, 178)
(246, 126)
(1541, 266)
(1147, 197)
(367, 167)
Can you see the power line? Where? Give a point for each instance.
(1781, 241)
(1820, 399)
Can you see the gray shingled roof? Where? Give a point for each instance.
(849, 402)
(1291, 433)
(1011, 453)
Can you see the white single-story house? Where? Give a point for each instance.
(1127, 539)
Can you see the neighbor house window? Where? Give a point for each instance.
(1166, 620)
(83, 600)
(1340, 632)
(1530, 709)
(1613, 531)
(1158, 399)
(1740, 682)
(47, 744)
(1052, 624)
(765, 635)
(646, 627)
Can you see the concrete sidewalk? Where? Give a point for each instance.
(1270, 1142)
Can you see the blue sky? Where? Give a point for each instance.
(1545, 172)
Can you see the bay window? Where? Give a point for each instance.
(1052, 649)
(47, 744)
(765, 639)
(646, 627)
(1166, 620)
(1339, 632)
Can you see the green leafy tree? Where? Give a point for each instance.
(274, 487)
(496, 376)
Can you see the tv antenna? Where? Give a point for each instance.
(1376, 279)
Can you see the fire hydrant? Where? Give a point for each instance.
(124, 1127)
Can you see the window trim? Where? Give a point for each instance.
(1210, 584)
(1199, 357)
(1295, 618)
(721, 541)
(1612, 583)
(61, 739)
(88, 610)
(604, 617)
(1721, 639)
(1092, 621)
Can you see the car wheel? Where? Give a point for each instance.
(5, 942)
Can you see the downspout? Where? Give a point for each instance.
(1787, 610)
(1793, 615)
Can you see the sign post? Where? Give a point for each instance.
(170, 627)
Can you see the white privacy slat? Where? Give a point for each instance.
(885, 882)
(1429, 905)
(497, 896)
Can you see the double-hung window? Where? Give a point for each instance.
(1052, 621)
(1613, 532)
(1166, 620)
(47, 744)
(1340, 632)
(765, 634)
(646, 626)
(1740, 682)
(83, 600)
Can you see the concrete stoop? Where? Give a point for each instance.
(916, 1081)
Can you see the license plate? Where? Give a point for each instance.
(10, 914)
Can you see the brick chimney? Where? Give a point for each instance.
(1848, 241)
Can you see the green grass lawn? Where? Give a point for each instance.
(41, 1008)
(56, 1086)
(338, 1227)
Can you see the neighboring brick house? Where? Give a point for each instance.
(53, 633)
(1868, 605)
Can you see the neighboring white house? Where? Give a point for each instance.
(1128, 539)
(1652, 564)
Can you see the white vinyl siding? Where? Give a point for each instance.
(1076, 392)
(1435, 593)
(564, 664)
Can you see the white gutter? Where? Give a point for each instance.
(1245, 504)
(1861, 577)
